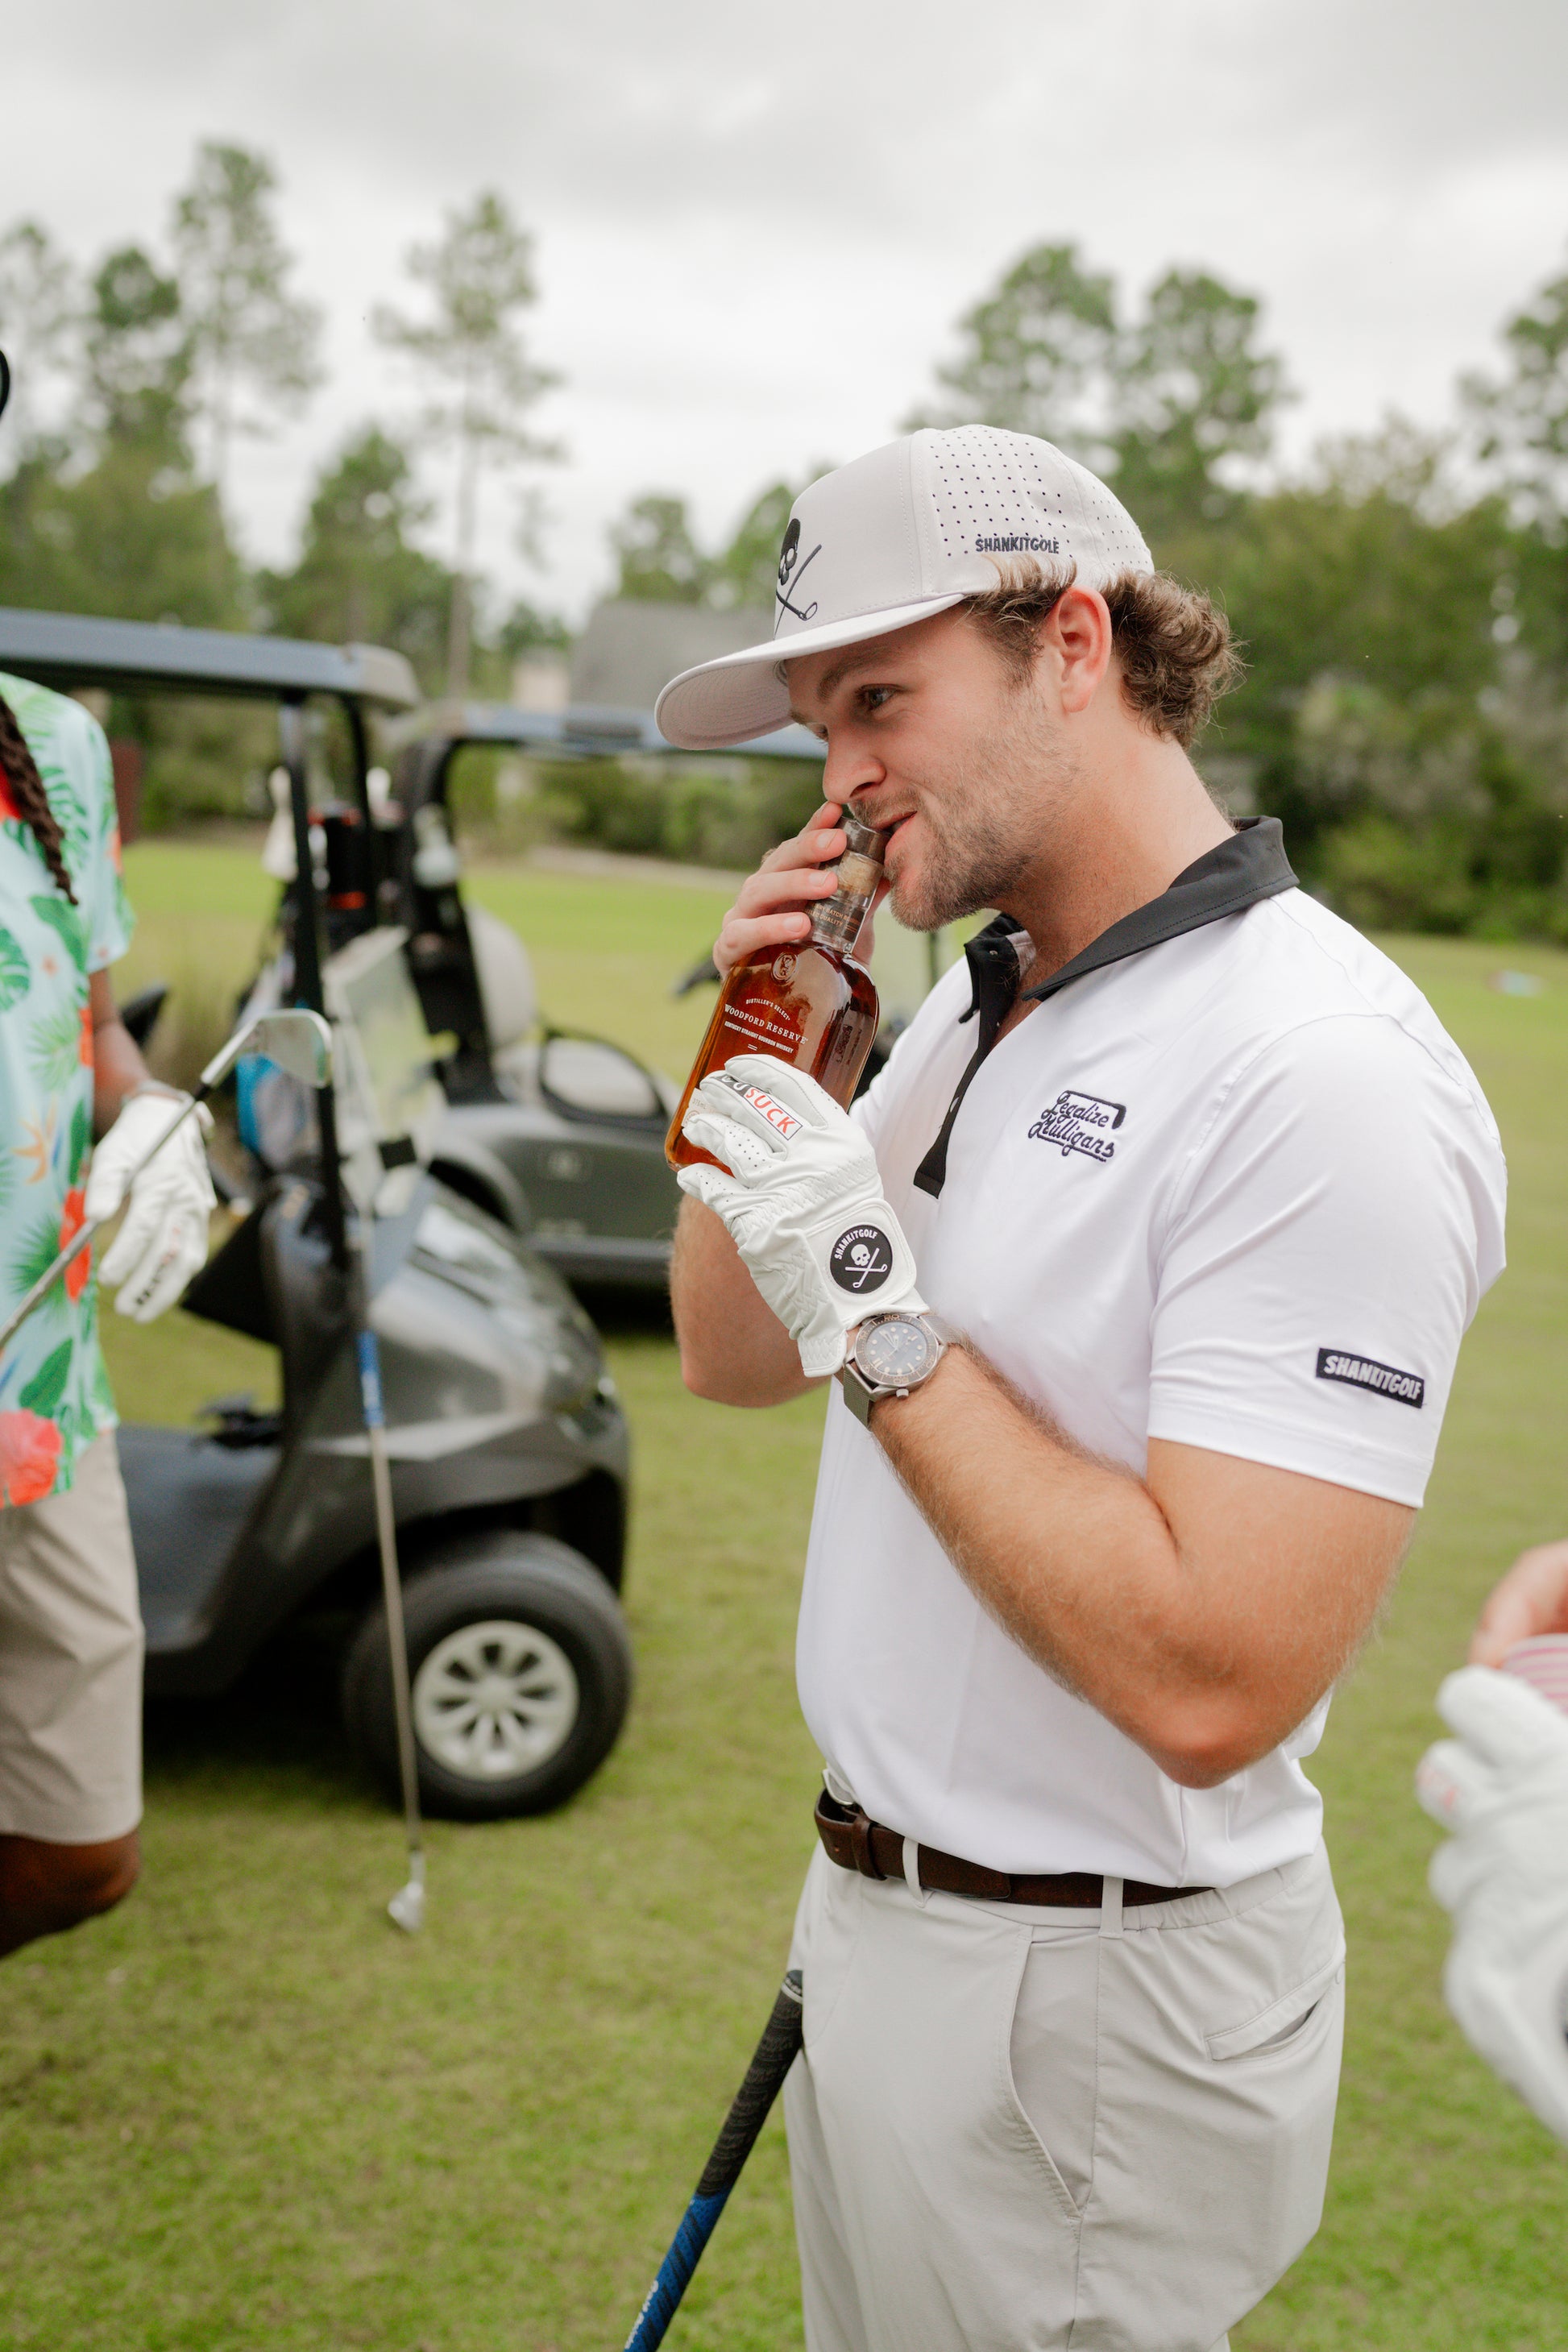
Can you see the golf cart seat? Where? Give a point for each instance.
(505, 973)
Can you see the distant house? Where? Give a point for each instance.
(628, 651)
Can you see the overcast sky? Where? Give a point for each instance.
(755, 227)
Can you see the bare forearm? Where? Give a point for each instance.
(733, 1348)
(118, 1067)
(1196, 1644)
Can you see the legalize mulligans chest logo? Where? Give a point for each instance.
(1080, 1122)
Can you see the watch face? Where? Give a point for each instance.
(897, 1352)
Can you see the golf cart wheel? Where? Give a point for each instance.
(520, 1671)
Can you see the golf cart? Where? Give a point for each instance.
(508, 1448)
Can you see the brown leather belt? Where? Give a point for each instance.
(855, 1841)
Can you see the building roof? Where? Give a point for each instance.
(628, 652)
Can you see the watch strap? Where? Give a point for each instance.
(858, 1393)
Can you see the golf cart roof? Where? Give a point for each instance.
(68, 650)
(585, 731)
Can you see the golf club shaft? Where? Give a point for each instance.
(84, 1233)
(775, 2055)
(391, 1586)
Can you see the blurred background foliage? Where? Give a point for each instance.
(723, 815)
(1401, 595)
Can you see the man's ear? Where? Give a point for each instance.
(1077, 631)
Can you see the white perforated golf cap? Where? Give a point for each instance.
(893, 537)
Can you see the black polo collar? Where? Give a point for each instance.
(1249, 867)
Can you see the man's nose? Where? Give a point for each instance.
(849, 768)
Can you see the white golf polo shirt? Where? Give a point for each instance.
(1240, 1190)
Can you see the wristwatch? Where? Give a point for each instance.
(888, 1356)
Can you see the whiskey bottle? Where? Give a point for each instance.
(809, 1004)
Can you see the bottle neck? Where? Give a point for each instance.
(838, 920)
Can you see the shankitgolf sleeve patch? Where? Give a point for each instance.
(1365, 1372)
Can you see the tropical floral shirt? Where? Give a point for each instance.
(55, 1396)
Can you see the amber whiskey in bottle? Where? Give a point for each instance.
(809, 1004)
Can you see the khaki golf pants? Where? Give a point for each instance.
(1014, 2130)
(71, 1662)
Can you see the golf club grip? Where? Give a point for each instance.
(774, 2056)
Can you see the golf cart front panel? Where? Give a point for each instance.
(498, 1414)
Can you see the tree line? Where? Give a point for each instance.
(1401, 595)
(134, 379)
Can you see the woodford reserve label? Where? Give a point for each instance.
(759, 1028)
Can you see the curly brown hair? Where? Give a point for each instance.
(1175, 647)
(29, 798)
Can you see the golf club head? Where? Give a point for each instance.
(406, 1909)
(300, 1043)
(297, 1041)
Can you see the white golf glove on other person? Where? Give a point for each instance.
(803, 1205)
(1501, 1787)
(164, 1240)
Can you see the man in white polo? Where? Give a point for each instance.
(1187, 1200)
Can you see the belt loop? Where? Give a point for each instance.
(913, 1871)
(1110, 1906)
(860, 1845)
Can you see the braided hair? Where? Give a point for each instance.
(29, 797)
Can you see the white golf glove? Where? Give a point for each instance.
(164, 1241)
(803, 1205)
(1501, 1787)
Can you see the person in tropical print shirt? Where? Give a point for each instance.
(70, 1629)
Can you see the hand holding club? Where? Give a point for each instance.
(159, 1178)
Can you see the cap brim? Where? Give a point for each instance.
(740, 696)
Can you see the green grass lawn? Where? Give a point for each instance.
(243, 2111)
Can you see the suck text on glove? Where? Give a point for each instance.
(800, 1195)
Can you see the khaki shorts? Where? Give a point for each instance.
(71, 1662)
(1020, 2130)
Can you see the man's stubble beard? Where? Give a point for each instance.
(988, 820)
